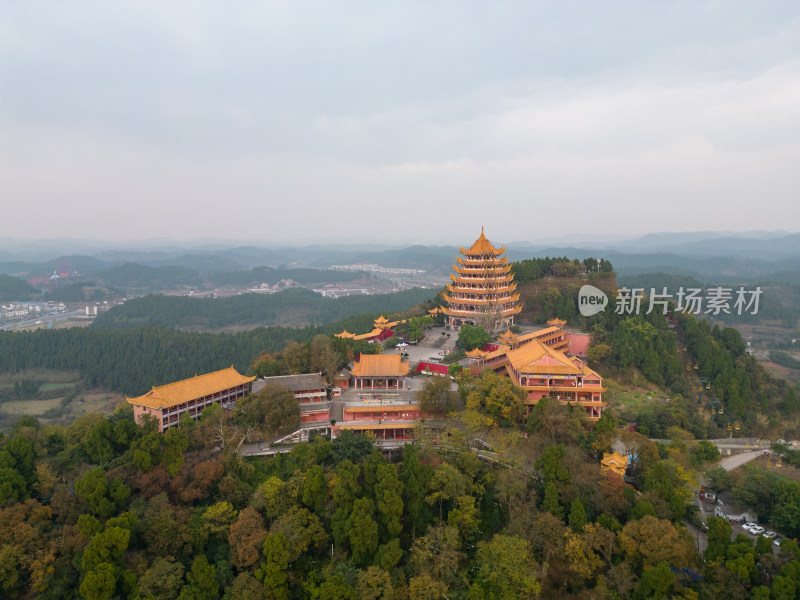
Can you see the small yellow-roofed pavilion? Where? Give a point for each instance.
(614, 462)
(557, 322)
(168, 403)
(345, 335)
(379, 371)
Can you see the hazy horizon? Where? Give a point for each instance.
(397, 123)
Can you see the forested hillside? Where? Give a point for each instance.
(132, 360)
(104, 509)
(14, 288)
(289, 307)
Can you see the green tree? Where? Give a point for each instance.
(201, 581)
(99, 583)
(656, 583)
(345, 491)
(414, 478)
(350, 446)
(389, 501)
(363, 530)
(550, 503)
(446, 484)
(506, 568)
(162, 581)
(719, 536)
(577, 515)
(273, 568)
(471, 337)
(314, 489)
(436, 398)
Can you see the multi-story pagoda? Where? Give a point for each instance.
(482, 288)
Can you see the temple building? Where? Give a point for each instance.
(614, 462)
(387, 417)
(379, 372)
(482, 288)
(310, 390)
(382, 329)
(541, 369)
(168, 403)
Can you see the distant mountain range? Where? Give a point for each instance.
(707, 256)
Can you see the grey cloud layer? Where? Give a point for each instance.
(376, 108)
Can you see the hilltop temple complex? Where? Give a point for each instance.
(482, 291)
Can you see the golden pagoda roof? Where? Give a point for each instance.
(482, 246)
(507, 336)
(381, 319)
(178, 392)
(345, 334)
(615, 462)
(379, 365)
(476, 353)
(557, 322)
(536, 358)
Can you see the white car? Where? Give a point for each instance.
(748, 526)
(777, 541)
(757, 530)
(769, 534)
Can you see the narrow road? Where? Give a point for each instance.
(737, 460)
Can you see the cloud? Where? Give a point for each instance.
(185, 120)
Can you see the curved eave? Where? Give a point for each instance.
(487, 272)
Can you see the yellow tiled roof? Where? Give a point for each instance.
(525, 357)
(380, 365)
(345, 334)
(365, 336)
(482, 246)
(172, 394)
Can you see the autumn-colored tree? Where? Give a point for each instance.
(649, 540)
(246, 538)
(506, 568)
(218, 517)
(374, 584)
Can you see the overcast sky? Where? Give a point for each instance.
(417, 121)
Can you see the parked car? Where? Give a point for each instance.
(769, 534)
(748, 526)
(777, 541)
(757, 530)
